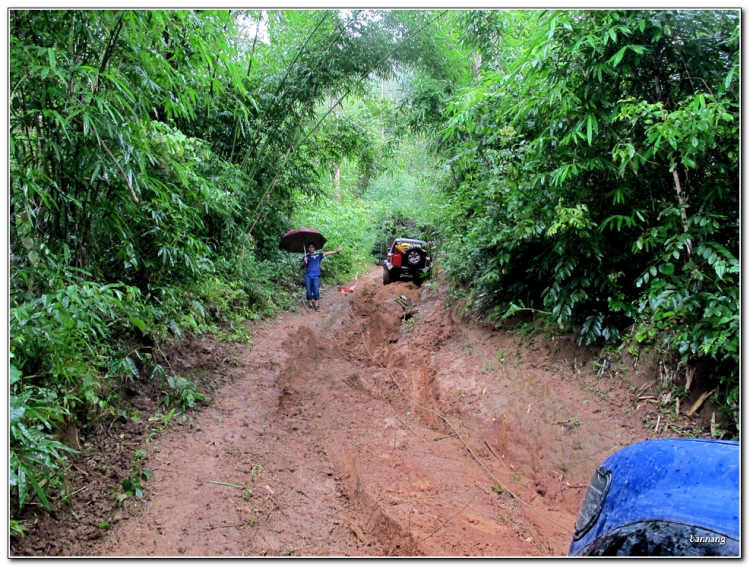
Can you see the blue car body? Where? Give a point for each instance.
(665, 497)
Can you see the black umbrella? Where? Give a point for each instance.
(297, 240)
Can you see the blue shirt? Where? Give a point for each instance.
(313, 264)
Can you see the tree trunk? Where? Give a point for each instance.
(337, 183)
(337, 169)
(682, 199)
(681, 195)
(476, 64)
(657, 85)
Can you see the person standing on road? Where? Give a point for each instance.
(312, 262)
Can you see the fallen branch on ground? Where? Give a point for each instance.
(358, 532)
(495, 454)
(227, 484)
(460, 430)
(227, 526)
(414, 433)
(445, 522)
(699, 403)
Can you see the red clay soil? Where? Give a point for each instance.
(312, 448)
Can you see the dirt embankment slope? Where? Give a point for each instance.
(331, 439)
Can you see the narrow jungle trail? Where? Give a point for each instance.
(312, 449)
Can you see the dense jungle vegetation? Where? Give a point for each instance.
(580, 164)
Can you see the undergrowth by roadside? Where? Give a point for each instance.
(111, 451)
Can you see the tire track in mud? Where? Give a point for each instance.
(312, 449)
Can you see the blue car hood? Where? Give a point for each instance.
(691, 481)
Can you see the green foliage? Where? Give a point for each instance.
(405, 199)
(16, 529)
(187, 394)
(594, 174)
(36, 462)
(62, 338)
(346, 222)
(133, 484)
(424, 109)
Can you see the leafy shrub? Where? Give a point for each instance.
(133, 484)
(63, 337)
(186, 391)
(36, 462)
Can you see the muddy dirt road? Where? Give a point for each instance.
(315, 449)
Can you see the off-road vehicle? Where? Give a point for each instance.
(407, 259)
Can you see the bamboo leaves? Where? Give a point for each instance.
(595, 129)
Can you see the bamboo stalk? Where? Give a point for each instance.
(125, 177)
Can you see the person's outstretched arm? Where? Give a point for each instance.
(332, 252)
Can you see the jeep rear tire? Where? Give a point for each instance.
(414, 257)
(390, 276)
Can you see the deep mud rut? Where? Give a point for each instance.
(313, 450)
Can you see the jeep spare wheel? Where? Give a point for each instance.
(414, 256)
